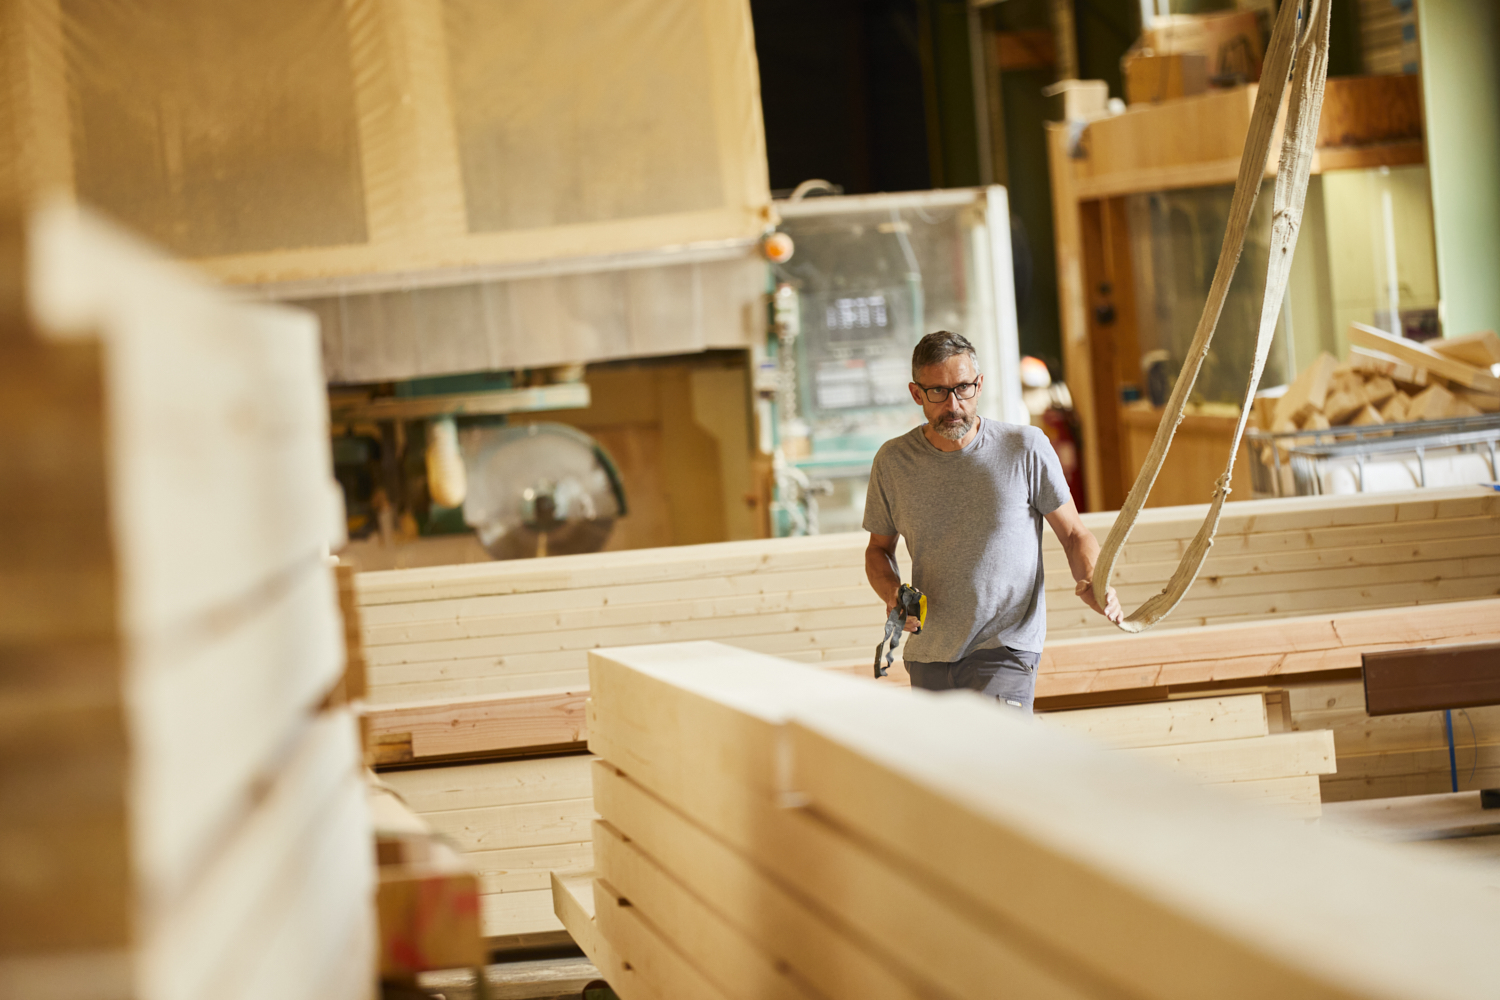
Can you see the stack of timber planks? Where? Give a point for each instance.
(447, 633)
(1317, 659)
(1397, 755)
(771, 830)
(183, 811)
(491, 659)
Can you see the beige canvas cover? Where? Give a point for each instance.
(315, 141)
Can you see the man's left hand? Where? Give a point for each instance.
(1111, 609)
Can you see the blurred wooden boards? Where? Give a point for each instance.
(942, 840)
(182, 815)
(1421, 356)
(427, 895)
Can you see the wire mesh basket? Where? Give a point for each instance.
(1376, 458)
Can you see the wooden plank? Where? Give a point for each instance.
(1291, 635)
(625, 609)
(714, 946)
(573, 903)
(506, 914)
(518, 869)
(1297, 797)
(1481, 349)
(1421, 356)
(663, 971)
(484, 723)
(437, 688)
(643, 634)
(529, 824)
(1480, 759)
(1432, 678)
(926, 780)
(778, 915)
(498, 783)
(1165, 723)
(1282, 755)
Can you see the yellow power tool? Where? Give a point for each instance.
(910, 603)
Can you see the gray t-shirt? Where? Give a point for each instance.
(972, 520)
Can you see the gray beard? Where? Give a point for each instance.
(955, 431)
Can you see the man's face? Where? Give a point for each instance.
(953, 418)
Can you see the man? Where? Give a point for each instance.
(969, 495)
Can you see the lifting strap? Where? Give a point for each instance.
(1299, 49)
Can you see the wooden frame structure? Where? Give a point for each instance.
(1185, 143)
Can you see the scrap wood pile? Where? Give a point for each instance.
(773, 830)
(1387, 380)
(183, 812)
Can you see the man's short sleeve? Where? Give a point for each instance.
(1049, 487)
(879, 518)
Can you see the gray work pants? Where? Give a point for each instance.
(1003, 673)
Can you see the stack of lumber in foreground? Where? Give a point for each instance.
(181, 816)
(1317, 659)
(516, 822)
(773, 830)
(1240, 743)
(441, 634)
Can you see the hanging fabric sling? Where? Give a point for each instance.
(1299, 49)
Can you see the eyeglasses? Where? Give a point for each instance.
(939, 393)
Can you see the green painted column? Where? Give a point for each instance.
(1460, 45)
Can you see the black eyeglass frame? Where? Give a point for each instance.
(927, 391)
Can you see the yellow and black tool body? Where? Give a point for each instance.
(910, 603)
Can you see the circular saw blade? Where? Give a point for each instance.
(539, 489)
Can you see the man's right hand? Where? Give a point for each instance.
(890, 605)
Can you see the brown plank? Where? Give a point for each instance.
(1432, 678)
(483, 723)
